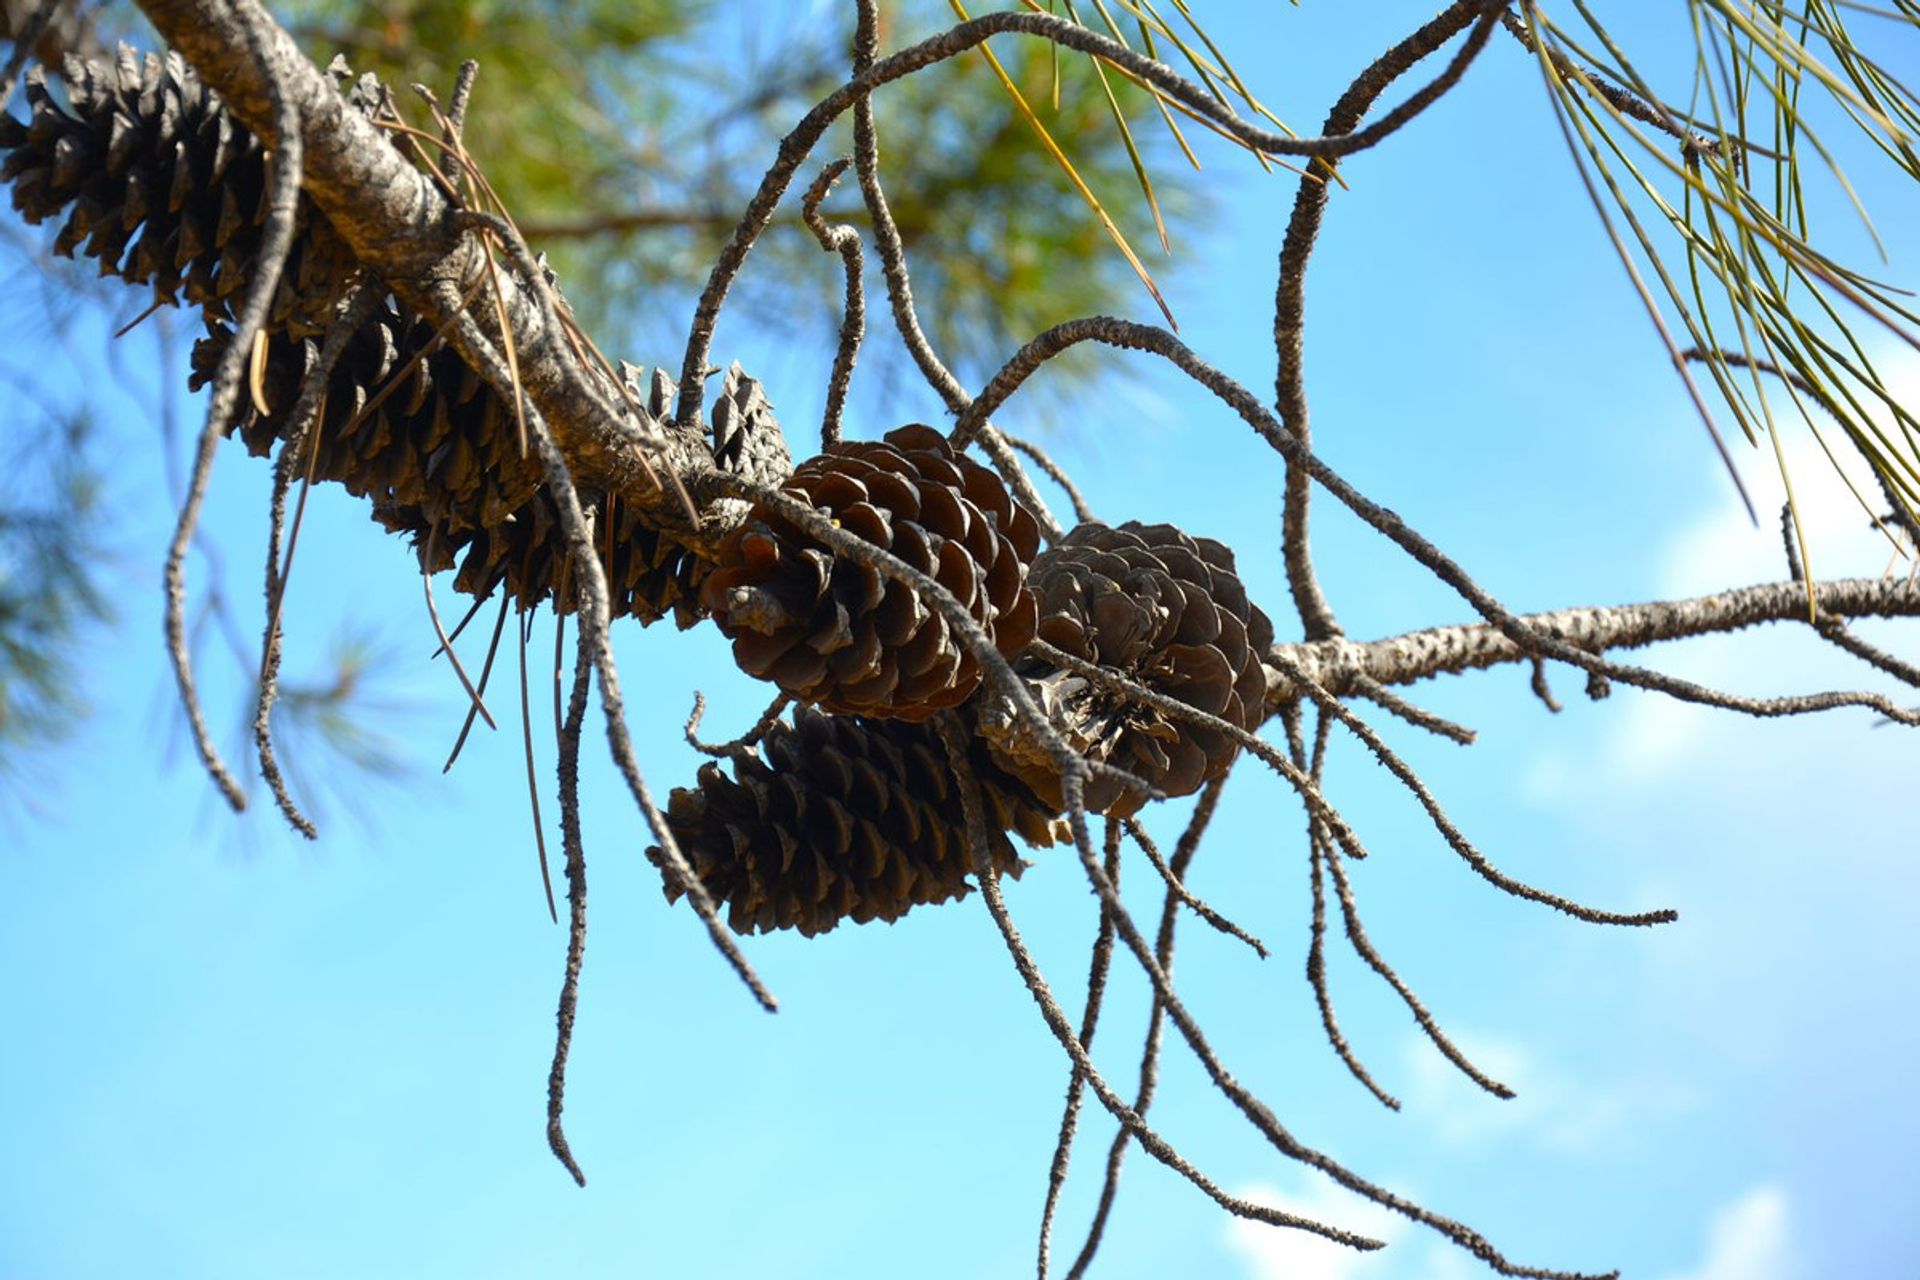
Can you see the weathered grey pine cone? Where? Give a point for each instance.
(844, 819)
(1167, 611)
(162, 187)
(838, 634)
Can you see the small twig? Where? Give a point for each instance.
(270, 647)
(1357, 935)
(1155, 1145)
(276, 238)
(1317, 843)
(576, 906)
(590, 584)
(1099, 967)
(1183, 852)
(1180, 891)
(462, 94)
(742, 747)
(1289, 307)
(1419, 717)
(1541, 689)
(1054, 472)
(845, 241)
(1400, 769)
(893, 263)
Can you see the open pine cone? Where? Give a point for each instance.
(847, 819)
(163, 187)
(840, 635)
(1167, 611)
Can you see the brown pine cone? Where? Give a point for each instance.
(162, 186)
(1167, 611)
(439, 456)
(847, 819)
(839, 634)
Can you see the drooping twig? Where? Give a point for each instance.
(1256, 1111)
(845, 241)
(1400, 769)
(1178, 888)
(1357, 935)
(269, 681)
(1054, 472)
(1317, 844)
(1156, 1021)
(576, 906)
(590, 585)
(1098, 968)
(1131, 336)
(275, 240)
(1541, 689)
(1056, 1018)
(893, 264)
(1289, 307)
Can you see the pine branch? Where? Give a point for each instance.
(1341, 666)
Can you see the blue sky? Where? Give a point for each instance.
(224, 1053)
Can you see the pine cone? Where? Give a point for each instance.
(440, 458)
(836, 633)
(145, 147)
(1167, 611)
(847, 819)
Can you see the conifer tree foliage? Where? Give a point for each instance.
(965, 672)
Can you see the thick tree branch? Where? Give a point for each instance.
(397, 223)
(1339, 665)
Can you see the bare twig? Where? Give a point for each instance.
(1179, 890)
(742, 747)
(845, 241)
(1289, 307)
(276, 238)
(576, 906)
(1054, 472)
(1183, 852)
(893, 264)
(1076, 1083)
(269, 681)
(1128, 335)
(1419, 717)
(1056, 1017)
(1400, 769)
(1317, 846)
(590, 584)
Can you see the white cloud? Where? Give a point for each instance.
(1723, 548)
(1748, 1240)
(1550, 1109)
(1286, 1253)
